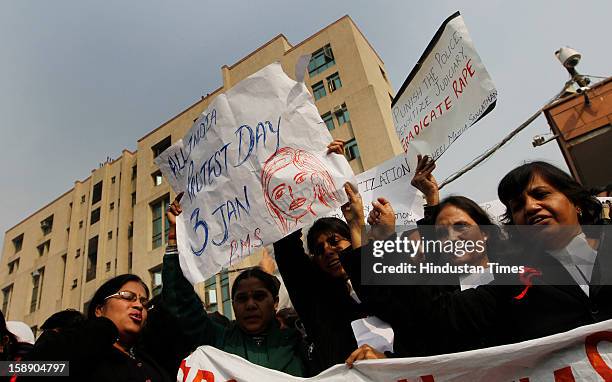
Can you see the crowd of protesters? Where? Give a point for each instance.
(127, 336)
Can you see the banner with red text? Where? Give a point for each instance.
(582, 354)
(448, 90)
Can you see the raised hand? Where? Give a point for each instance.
(337, 147)
(173, 211)
(382, 219)
(424, 180)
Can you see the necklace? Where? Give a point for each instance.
(130, 352)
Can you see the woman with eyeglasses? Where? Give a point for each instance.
(255, 335)
(105, 347)
(454, 219)
(566, 282)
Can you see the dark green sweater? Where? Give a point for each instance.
(280, 349)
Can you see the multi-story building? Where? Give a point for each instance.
(114, 221)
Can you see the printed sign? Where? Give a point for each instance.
(390, 180)
(253, 168)
(448, 91)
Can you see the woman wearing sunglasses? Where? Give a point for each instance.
(105, 347)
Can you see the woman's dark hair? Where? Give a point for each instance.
(64, 319)
(9, 348)
(516, 181)
(326, 226)
(496, 245)
(110, 287)
(467, 205)
(269, 281)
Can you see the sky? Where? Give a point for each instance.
(81, 80)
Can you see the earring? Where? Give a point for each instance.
(579, 211)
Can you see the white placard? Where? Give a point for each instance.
(447, 91)
(253, 168)
(390, 180)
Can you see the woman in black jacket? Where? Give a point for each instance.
(104, 347)
(549, 211)
(318, 286)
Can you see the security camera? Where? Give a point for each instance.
(568, 57)
(582, 89)
(538, 140)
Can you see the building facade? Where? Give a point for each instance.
(114, 221)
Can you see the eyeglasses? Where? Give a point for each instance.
(131, 297)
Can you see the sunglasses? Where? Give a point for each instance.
(131, 297)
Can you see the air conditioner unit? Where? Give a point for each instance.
(337, 109)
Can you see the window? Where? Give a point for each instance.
(321, 60)
(108, 266)
(129, 262)
(92, 259)
(78, 254)
(75, 282)
(37, 284)
(13, 266)
(134, 172)
(18, 243)
(210, 297)
(64, 259)
(97, 193)
(81, 224)
(133, 199)
(157, 178)
(111, 206)
(333, 82)
(318, 90)
(161, 146)
(130, 230)
(329, 121)
(342, 115)
(160, 223)
(7, 293)
(225, 294)
(47, 225)
(383, 73)
(156, 281)
(113, 180)
(43, 249)
(110, 235)
(95, 216)
(351, 151)
(82, 199)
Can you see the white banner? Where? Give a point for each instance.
(390, 180)
(447, 91)
(583, 354)
(253, 168)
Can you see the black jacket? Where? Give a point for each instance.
(323, 303)
(492, 314)
(92, 356)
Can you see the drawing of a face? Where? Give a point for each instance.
(291, 191)
(293, 181)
